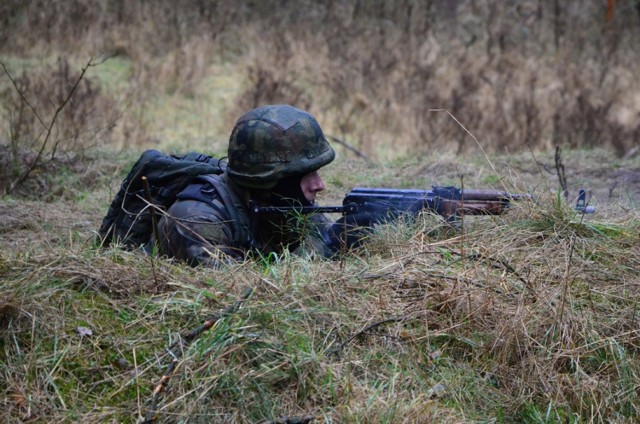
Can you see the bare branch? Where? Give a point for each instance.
(348, 147)
(21, 94)
(49, 128)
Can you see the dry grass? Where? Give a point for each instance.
(531, 317)
(522, 75)
(527, 317)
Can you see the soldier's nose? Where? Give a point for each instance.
(311, 184)
(317, 184)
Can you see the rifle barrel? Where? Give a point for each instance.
(303, 210)
(480, 194)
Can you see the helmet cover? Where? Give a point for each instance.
(273, 142)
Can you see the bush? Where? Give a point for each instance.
(51, 114)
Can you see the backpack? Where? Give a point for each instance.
(129, 220)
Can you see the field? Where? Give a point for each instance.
(530, 316)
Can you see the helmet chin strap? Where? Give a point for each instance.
(288, 192)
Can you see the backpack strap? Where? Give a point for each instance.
(232, 205)
(199, 191)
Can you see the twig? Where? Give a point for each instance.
(154, 223)
(541, 166)
(470, 134)
(192, 335)
(188, 338)
(368, 328)
(462, 234)
(611, 189)
(502, 262)
(49, 127)
(22, 96)
(565, 288)
(292, 420)
(561, 175)
(154, 218)
(348, 147)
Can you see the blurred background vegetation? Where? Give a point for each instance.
(517, 74)
(386, 79)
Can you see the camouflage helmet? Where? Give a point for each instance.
(273, 142)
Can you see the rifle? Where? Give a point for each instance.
(363, 208)
(386, 204)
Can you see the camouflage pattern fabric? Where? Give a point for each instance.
(203, 233)
(273, 142)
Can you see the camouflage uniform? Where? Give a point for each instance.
(202, 233)
(210, 221)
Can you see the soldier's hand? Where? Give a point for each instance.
(349, 231)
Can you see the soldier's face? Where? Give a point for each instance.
(311, 184)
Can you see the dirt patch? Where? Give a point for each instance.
(25, 224)
(608, 186)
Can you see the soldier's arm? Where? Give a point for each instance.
(198, 234)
